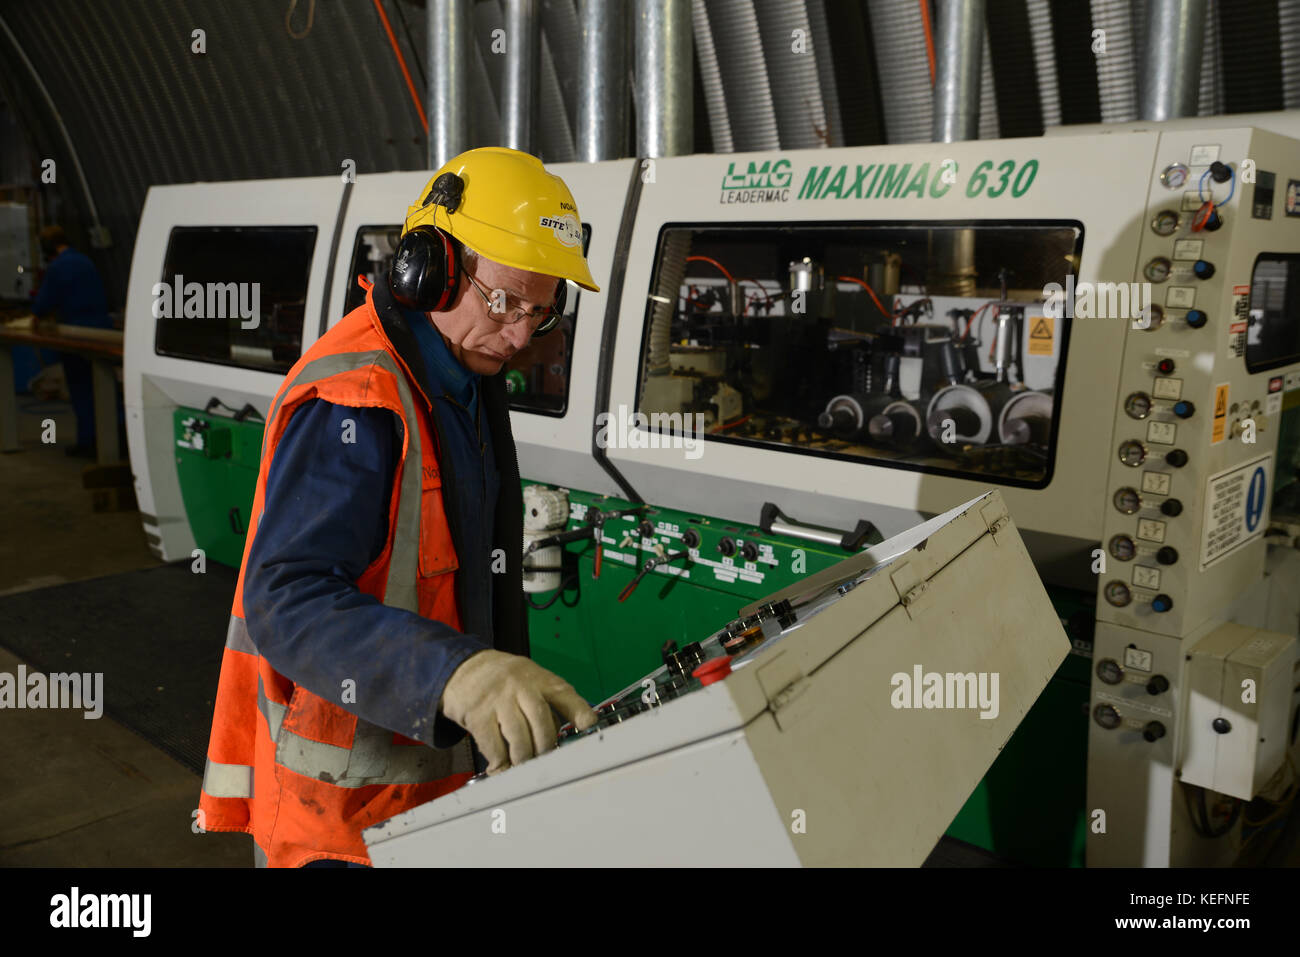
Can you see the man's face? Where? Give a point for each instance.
(479, 341)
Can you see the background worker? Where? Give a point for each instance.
(380, 613)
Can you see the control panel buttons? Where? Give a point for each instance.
(1184, 409)
(1158, 269)
(1162, 603)
(1122, 548)
(1154, 731)
(1133, 453)
(1106, 716)
(1109, 671)
(749, 552)
(1202, 269)
(1158, 684)
(1117, 593)
(1171, 507)
(1176, 458)
(1196, 318)
(1127, 500)
(1166, 366)
(726, 546)
(1138, 405)
(1167, 555)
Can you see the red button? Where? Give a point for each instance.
(712, 671)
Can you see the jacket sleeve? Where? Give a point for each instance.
(50, 294)
(324, 521)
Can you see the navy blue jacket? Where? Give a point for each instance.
(324, 521)
(72, 287)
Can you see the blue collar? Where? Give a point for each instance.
(443, 368)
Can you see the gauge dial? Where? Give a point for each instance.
(1109, 671)
(1122, 547)
(1157, 270)
(1174, 176)
(1118, 594)
(1127, 500)
(1132, 453)
(1165, 222)
(1138, 405)
(1106, 716)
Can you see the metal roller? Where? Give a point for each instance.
(1026, 418)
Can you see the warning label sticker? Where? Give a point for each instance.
(1042, 331)
(1220, 413)
(1240, 317)
(1235, 502)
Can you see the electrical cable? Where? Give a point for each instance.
(712, 262)
(565, 582)
(870, 291)
(401, 62)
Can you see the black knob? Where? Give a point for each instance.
(1221, 725)
(1165, 366)
(1176, 457)
(1153, 731)
(1171, 507)
(749, 551)
(646, 530)
(726, 546)
(1167, 555)
(1220, 172)
(1158, 684)
(1162, 603)
(691, 538)
(1202, 269)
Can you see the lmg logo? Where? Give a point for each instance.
(764, 182)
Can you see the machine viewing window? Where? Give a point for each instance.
(537, 377)
(928, 348)
(234, 295)
(1273, 320)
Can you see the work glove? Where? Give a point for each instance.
(504, 701)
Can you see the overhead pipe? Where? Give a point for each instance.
(665, 73)
(522, 75)
(602, 80)
(448, 37)
(1169, 75)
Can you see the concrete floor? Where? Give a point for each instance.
(73, 792)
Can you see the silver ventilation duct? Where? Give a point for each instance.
(521, 41)
(602, 80)
(1169, 80)
(664, 77)
(448, 56)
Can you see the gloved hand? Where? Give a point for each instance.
(504, 701)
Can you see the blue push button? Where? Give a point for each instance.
(1162, 603)
(1196, 318)
(1202, 269)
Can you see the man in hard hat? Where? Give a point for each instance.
(379, 613)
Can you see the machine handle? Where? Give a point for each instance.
(235, 523)
(774, 522)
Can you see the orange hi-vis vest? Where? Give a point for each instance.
(297, 771)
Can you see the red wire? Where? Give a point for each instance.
(929, 36)
(765, 293)
(401, 61)
(872, 292)
(703, 259)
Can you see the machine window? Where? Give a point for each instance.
(537, 377)
(235, 295)
(1273, 318)
(928, 348)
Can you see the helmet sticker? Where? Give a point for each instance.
(566, 228)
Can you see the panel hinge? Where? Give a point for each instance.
(784, 683)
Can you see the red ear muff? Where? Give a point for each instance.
(425, 273)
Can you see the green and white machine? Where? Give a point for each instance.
(795, 354)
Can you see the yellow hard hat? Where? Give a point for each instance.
(511, 211)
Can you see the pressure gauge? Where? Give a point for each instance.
(1132, 453)
(1138, 405)
(1157, 270)
(1122, 547)
(1106, 716)
(1165, 222)
(1127, 500)
(1109, 671)
(1117, 594)
(1174, 176)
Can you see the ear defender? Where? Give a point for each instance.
(425, 273)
